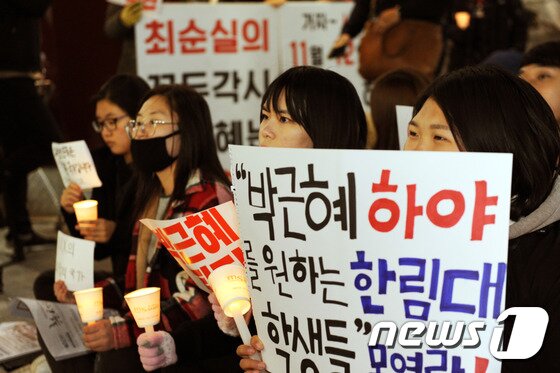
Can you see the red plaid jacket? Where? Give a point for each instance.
(163, 269)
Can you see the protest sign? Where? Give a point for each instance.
(74, 262)
(201, 242)
(338, 241)
(75, 164)
(308, 31)
(227, 52)
(230, 53)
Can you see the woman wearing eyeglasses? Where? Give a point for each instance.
(117, 101)
(172, 144)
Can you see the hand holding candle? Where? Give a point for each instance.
(230, 287)
(86, 212)
(90, 304)
(145, 307)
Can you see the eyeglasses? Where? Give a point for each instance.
(134, 127)
(109, 123)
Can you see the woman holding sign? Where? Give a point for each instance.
(488, 110)
(116, 103)
(305, 107)
(484, 109)
(179, 173)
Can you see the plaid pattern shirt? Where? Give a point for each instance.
(163, 269)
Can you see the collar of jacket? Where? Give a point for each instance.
(193, 186)
(547, 213)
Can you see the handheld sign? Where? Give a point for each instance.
(341, 244)
(202, 242)
(74, 262)
(75, 164)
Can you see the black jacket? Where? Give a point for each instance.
(533, 279)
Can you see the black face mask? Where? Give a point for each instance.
(151, 155)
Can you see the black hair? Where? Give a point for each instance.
(397, 87)
(126, 91)
(491, 110)
(546, 54)
(197, 145)
(324, 103)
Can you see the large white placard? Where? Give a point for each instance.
(74, 262)
(308, 31)
(75, 164)
(338, 241)
(227, 52)
(231, 52)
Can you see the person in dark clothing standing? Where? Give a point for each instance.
(28, 127)
(388, 13)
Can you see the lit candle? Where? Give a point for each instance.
(230, 286)
(86, 212)
(90, 304)
(463, 20)
(145, 308)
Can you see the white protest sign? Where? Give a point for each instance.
(201, 242)
(337, 241)
(227, 52)
(308, 31)
(75, 164)
(404, 116)
(149, 7)
(74, 262)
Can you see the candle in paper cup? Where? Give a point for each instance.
(230, 286)
(90, 304)
(229, 283)
(144, 305)
(86, 212)
(463, 20)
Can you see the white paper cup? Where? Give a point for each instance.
(463, 20)
(144, 305)
(90, 304)
(86, 212)
(229, 283)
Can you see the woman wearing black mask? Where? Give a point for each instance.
(179, 173)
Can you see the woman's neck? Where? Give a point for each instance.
(128, 158)
(167, 179)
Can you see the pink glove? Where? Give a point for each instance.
(156, 350)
